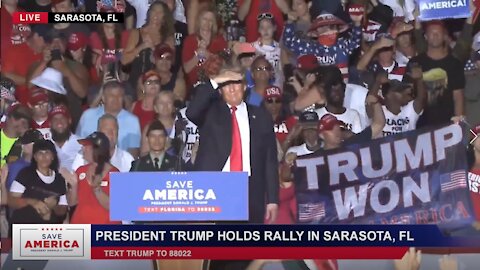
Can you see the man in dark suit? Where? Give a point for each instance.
(235, 136)
(157, 159)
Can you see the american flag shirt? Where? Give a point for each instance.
(337, 54)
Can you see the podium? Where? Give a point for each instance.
(169, 198)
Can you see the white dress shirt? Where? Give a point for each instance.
(68, 152)
(121, 159)
(244, 126)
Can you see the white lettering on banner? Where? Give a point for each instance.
(443, 4)
(178, 194)
(474, 182)
(280, 128)
(387, 164)
(357, 201)
(437, 141)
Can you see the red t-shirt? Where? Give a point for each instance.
(282, 128)
(144, 116)
(11, 34)
(89, 210)
(474, 186)
(109, 54)
(190, 45)
(256, 8)
(17, 61)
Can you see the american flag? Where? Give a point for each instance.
(310, 211)
(453, 180)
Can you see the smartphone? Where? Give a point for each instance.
(56, 54)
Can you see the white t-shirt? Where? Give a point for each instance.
(17, 187)
(406, 120)
(68, 152)
(141, 8)
(121, 159)
(405, 10)
(355, 96)
(190, 135)
(272, 54)
(350, 117)
(300, 150)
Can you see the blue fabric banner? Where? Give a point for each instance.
(442, 9)
(417, 177)
(182, 196)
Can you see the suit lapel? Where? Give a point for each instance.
(224, 121)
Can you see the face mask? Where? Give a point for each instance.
(328, 39)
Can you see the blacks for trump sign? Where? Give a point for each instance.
(417, 177)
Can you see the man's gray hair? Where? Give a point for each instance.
(107, 116)
(113, 85)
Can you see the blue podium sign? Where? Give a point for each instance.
(179, 196)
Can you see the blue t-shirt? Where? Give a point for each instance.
(253, 98)
(13, 169)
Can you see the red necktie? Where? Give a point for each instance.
(236, 153)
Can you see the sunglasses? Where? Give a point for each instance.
(272, 101)
(150, 82)
(263, 68)
(264, 16)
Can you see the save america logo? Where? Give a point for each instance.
(41, 242)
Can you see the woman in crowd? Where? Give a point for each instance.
(159, 29)
(262, 72)
(143, 108)
(38, 195)
(165, 113)
(267, 46)
(199, 46)
(169, 81)
(89, 187)
(79, 51)
(108, 43)
(273, 102)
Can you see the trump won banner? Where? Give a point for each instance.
(179, 196)
(417, 177)
(443, 9)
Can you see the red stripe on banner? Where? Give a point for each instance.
(244, 253)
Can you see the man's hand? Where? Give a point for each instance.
(457, 119)
(290, 158)
(70, 178)
(410, 261)
(384, 42)
(271, 212)
(292, 16)
(226, 76)
(401, 27)
(448, 263)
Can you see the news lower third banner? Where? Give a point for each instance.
(443, 9)
(71, 242)
(179, 196)
(417, 177)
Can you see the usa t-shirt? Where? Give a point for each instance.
(350, 117)
(404, 121)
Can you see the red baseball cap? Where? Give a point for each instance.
(161, 50)
(77, 41)
(326, 19)
(307, 62)
(328, 122)
(273, 92)
(59, 109)
(37, 96)
(149, 74)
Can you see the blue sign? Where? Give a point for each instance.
(442, 9)
(417, 177)
(179, 196)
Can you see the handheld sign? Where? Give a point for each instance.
(442, 9)
(179, 196)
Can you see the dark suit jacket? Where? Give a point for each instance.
(212, 115)
(146, 164)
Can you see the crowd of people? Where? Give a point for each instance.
(218, 85)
